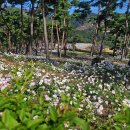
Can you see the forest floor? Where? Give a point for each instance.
(72, 56)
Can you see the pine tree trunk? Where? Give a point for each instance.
(95, 39)
(64, 36)
(124, 51)
(21, 35)
(45, 30)
(27, 42)
(9, 41)
(115, 44)
(52, 35)
(96, 32)
(31, 28)
(104, 35)
(58, 40)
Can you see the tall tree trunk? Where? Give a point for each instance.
(65, 44)
(104, 35)
(28, 42)
(58, 40)
(64, 35)
(45, 30)
(37, 37)
(115, 44)
(95, 39)
(9, 41)
(21, 35)
(52, 34)
(31, 28)
(97, 30)
(125, 49)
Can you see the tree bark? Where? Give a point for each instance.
(21, 35)
(97, 30)
(45, 30)
(9, 41)
(31, 28)
(64, 36)
(125, 49)
(104, 35)
(115, 44)
(52, 34)
(58, 40)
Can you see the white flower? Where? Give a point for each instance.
(35, 117)
(47, 98)
(126, 102)
(41, 82)
(100, 86)
(25, 99)
(81, 105)
(80, 109)
(32, 84)
(71, 102)
(54, 96)
(100, 110)
(116, 100)
(19, 74)
(1, 114)
(47, 81)
(119, 109)
(66, 124)
(109, 116)
(113, 92)
(106, 102)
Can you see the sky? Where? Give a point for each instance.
(93, 9)
(118, 10)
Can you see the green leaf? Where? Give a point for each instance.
(1, 125)
(59, 127)
(128, 127)
(119, 117)
(82, 123)
(128, 115)
(53, 114)
(41, 100)
(34, 123)
(3, 101)
(69, 116)
(8, 120)
(22, 115)
(43, 127)
(117, 128)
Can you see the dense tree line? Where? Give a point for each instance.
(28, 26)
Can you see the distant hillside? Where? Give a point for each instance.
(86, 25)
(83, 29)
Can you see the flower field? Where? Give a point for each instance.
(68, 96)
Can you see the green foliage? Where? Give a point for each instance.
(122, 119)
(21, 109)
